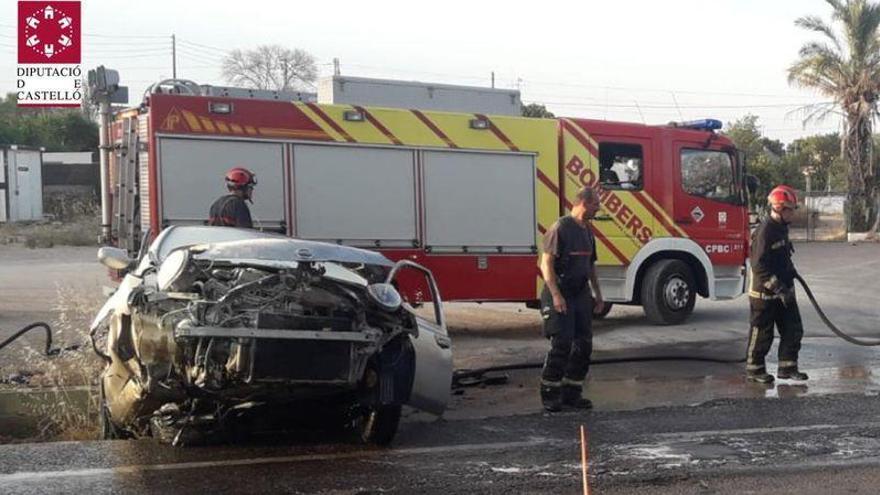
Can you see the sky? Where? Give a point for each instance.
(626, 60)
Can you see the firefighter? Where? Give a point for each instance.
(568, 267)
(772, 295)
(231, 210)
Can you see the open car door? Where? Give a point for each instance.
(432, 380)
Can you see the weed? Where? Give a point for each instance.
(67, 383)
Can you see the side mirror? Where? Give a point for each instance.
(752, 184)
(114, 258)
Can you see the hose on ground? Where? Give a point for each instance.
(45, 326)
(840, 333)
(471, 377)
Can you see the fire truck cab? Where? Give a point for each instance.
(467, 195)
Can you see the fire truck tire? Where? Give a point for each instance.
(668, 292)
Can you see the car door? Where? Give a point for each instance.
(432, 380)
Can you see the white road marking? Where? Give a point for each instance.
(31, 476)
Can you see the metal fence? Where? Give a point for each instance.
(820, 217)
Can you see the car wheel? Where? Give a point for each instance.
(379, 424)
(602, 314)
(668, 292)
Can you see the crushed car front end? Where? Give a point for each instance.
(213, 331)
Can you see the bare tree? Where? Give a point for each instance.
(271, 67)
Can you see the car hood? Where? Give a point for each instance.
(275, 250)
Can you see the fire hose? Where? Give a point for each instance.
(471, 377)
(49, 350)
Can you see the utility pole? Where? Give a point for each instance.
(336, 70)
(173, 57)
(493, 79)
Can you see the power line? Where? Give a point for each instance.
(190, 52)
(602, 101)
(116, 57)
(655, 90)
(671, 107)
(125, 36)
(224, 51)
(130, 51)
(129, 43)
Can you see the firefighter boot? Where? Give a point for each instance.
(551, 398)
(572, 396)
(792, 373)
(759, 376)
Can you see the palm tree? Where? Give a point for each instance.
(845, 67)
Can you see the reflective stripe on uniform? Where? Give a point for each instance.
(569, 381)
(754, 367)
(787, 364)
(753, 339)
(766, 297)
(548, 383)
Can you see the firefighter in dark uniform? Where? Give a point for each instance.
(568, 267)
(231, 210)
(771, 295)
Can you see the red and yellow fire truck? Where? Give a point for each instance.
(466, 195)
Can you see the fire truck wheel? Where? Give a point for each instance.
(668, 292)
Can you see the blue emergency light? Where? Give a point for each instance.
(701, 125)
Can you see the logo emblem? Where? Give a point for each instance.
(304, 253)
(697, 214)
(49, 33)
(172, 120)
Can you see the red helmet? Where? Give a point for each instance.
(240, 178)
(782, 197)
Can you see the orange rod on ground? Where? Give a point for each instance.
(584, 461)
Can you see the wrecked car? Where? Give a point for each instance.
(212, 325)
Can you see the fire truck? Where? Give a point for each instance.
(467, 195)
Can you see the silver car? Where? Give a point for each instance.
(214, 327)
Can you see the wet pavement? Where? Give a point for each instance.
(630, 452)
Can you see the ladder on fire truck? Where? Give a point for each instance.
(126, 201)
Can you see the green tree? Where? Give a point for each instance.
(845, 67)
(52, 129)
(536, 110)
(765, 158)
(820, 153)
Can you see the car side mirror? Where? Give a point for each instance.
(114, 258)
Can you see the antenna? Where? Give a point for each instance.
(675, 100)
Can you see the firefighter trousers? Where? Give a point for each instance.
(571, 339)
(765, 314)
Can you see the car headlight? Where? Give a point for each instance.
(170, 276)
(386, 296)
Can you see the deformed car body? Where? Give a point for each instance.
(213, 324)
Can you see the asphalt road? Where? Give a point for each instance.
(671, 427)
(699, 449)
